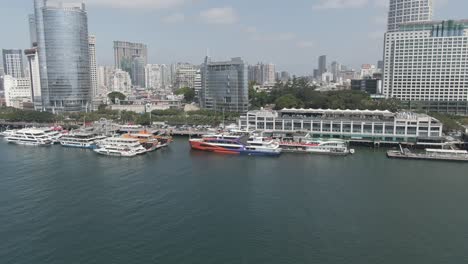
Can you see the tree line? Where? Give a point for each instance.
(299, 93)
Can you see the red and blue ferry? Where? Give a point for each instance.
(234, 145)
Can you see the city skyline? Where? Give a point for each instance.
(228, 30)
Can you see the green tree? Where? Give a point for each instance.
(112, 96)
(288, 101)
(143, 119)
(188, 93)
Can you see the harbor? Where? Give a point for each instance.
(176, 199)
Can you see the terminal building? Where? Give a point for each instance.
(354, 125)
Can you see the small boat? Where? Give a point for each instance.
(29, 137)
(121, 147)
(228, 144)
(116, 151)
(80, 140)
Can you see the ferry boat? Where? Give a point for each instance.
(430, 154)
(54, 134)
(80, 140)
(29, 137)
(120, 147)
(308, 144)
(330, 147)
(228, 144)
(131, 128)
(7, 133)
(146, 139)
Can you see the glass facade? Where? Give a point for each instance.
(225, 86)
(62, 34)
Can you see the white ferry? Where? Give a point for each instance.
(7, 133)
(120, 147)
(263, 145)
(331, 147)
(29, 137)
(53, 134)
(430, 154)
(308, 144)
(131, 128)
(80, 140)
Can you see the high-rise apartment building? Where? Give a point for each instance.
(166, 76)
(34, 76)
(120, 81)
(153, 76)
(404, 11)
(198, 85)
(427, 63)
(13, 63)
(63, 46)
(335, 69)
(262, 73)
(225, 86)
(104, 74)
(185, 75)
(17, 91)
(269, 71)
(93, 64)
(125, 52)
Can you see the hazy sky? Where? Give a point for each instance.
(291, 34)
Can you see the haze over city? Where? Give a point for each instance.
(291, 35)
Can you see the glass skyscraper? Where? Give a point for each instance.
(62, 36)
(225, 86)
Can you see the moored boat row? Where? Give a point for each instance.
(262, 146)
(127, 145)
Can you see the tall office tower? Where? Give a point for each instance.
(427, 62)
(185, 75)
(13, 63)
(32, 29)
(62, 37)
(225, 86)
(153, 76)
(380, 65)
(93, 64)
(137, 72)
(316, 74)
(34, 76)
(125, 52)
(285, 76)
(322, 65)
(403, 11)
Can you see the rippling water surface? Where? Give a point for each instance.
(60, 205)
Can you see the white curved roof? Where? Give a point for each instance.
(336, 111)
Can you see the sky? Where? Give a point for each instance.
(291, 34)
